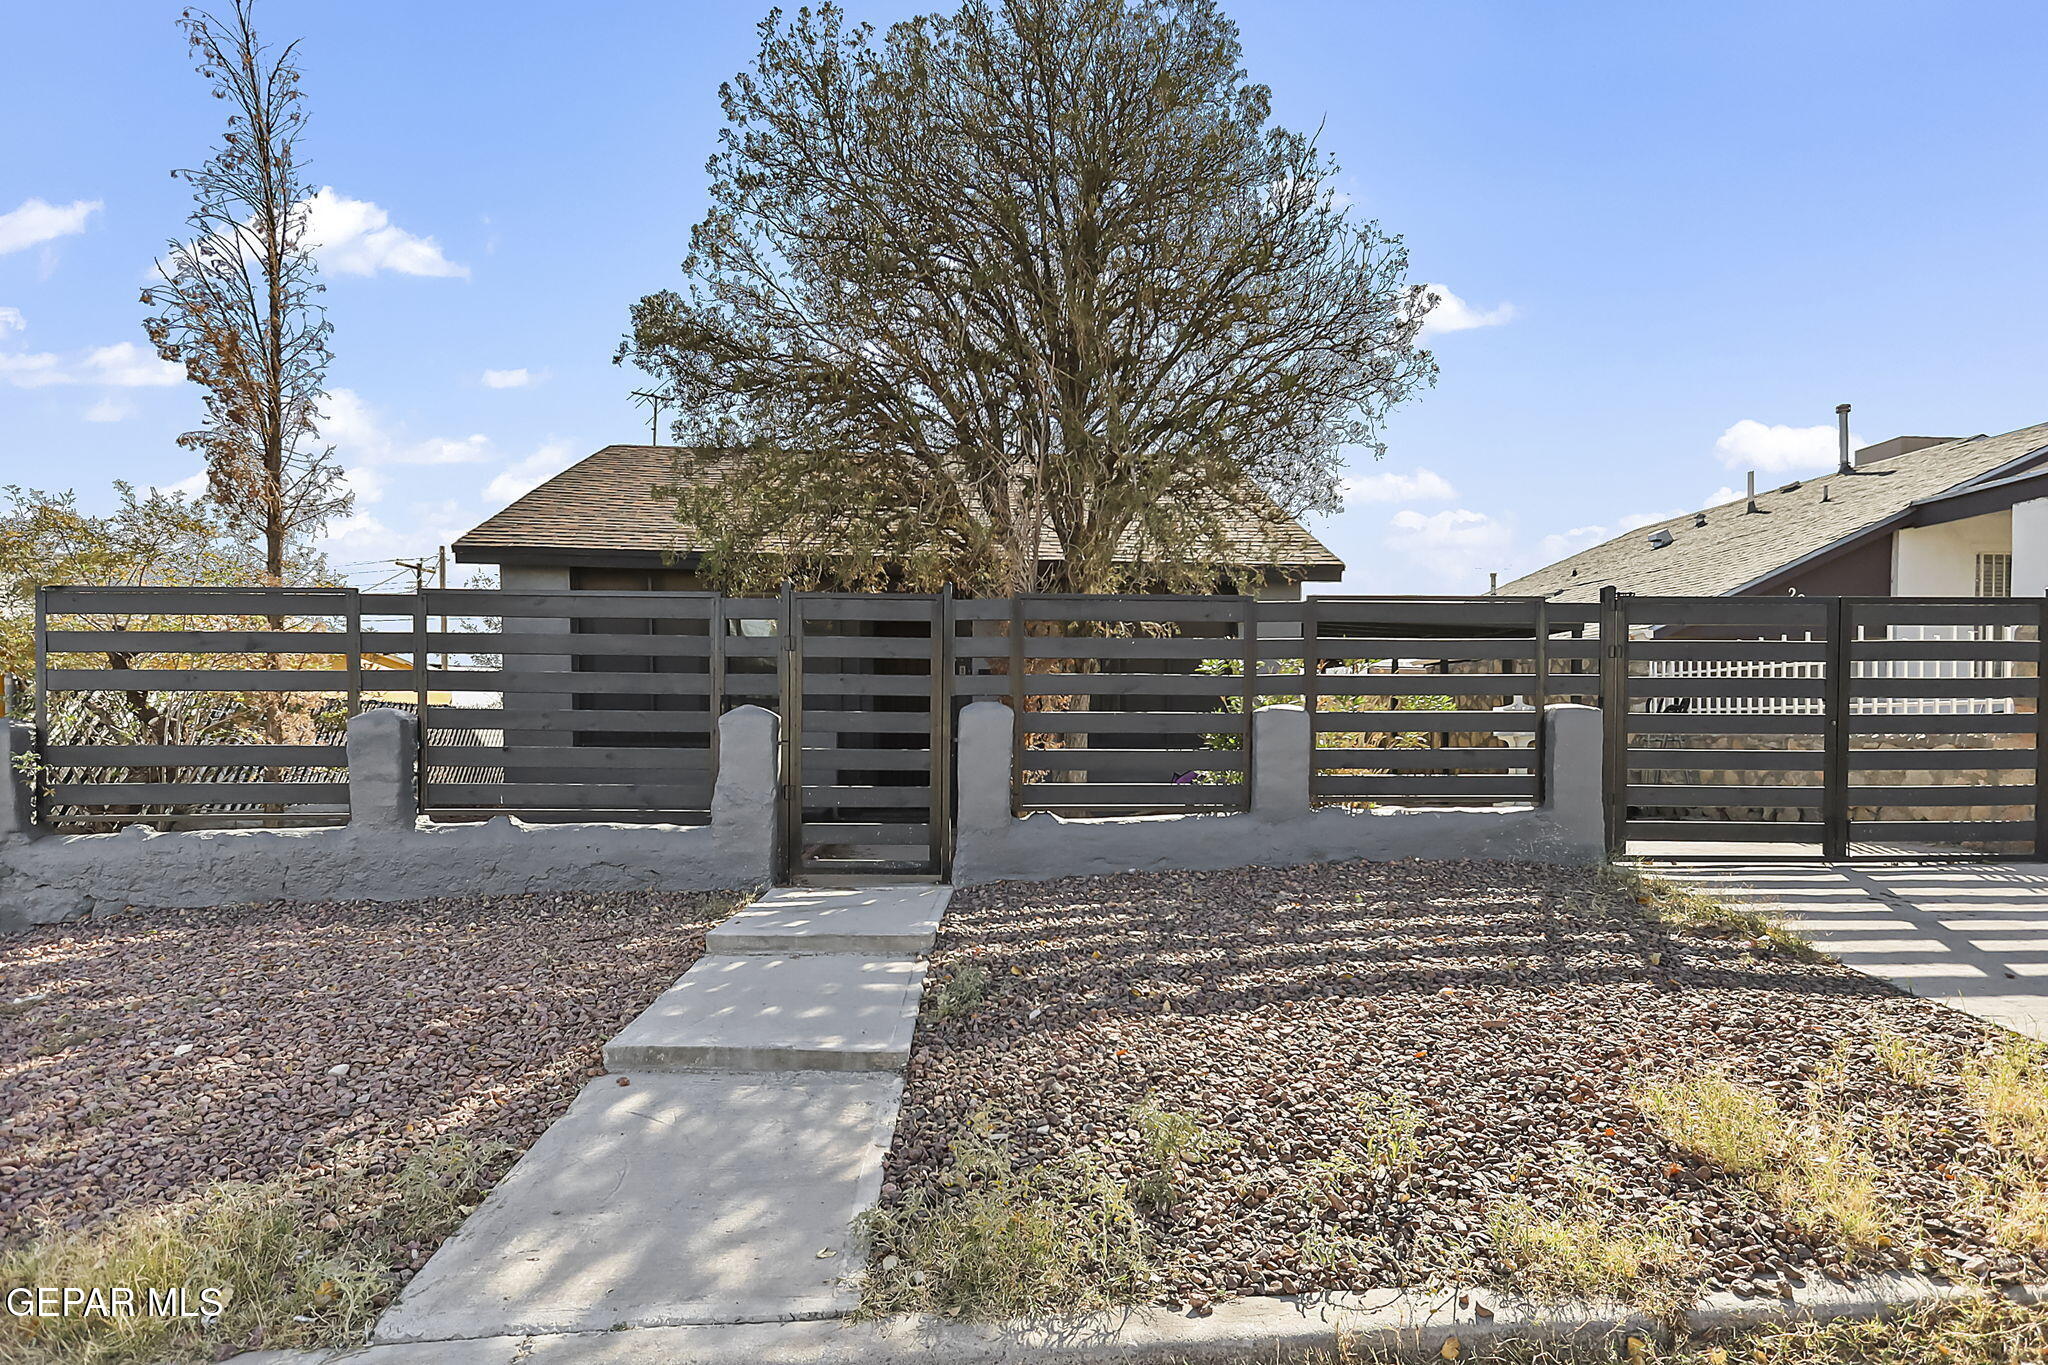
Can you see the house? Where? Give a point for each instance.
(599, 525)
(1915, 516)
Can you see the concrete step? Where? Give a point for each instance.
(789, 1012)
(669, 1200)
(880, 920)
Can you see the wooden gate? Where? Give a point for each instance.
(867, 724)
(1844, 727)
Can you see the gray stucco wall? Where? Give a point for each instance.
(1280, 829)
(387, 852)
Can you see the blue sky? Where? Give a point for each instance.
(1680, 233)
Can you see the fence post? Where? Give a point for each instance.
(1016, 703)
(41, 733)
(17, 788)
(353, 633)
(383, 770)
(1539, 698)
(421, 696)
(789, 847)
(2041, 728)
(1251, 692)
(942, 732)
(1311, 656)
(1614, 712)
(1835, 702)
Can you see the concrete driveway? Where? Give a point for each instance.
(1974, 936)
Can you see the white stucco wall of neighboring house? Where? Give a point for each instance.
(1941, 561)
(2030, 548)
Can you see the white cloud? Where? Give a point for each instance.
(124, 365)
(356, 237)
(523, 476)
(110, 409)
(11, 320)
(361, 437)
(1635, 519)
(1424, 485)
(1452, 549)
(508, 379)
(1564, 543)
(1779, 449)
(191, 486)
(36, 222)
(361, 540)
(1723, 494)
(366, 483)
(1453, 314)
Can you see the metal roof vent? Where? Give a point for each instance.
(1659, 539)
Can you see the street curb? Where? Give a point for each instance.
(1397, 1324)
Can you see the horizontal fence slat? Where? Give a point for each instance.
(1958, 794)
(1726, 611)
(1414, 684)
(1425, 722)
(197, 601)
(1715, 794)
(873, 760)
(867, 722)
(1688, 723)
(683, 762)
(1423, 760)
(1998, 723)
(1730, 760)
(1945, 650)
(1157, 765)
(1132, 722)
(1130, 685)
(1150, 795)
(858, 647)
(571, 795)
(1726, 831)
(1930, 760)
(195, 642)
(1727, 687)
(1394, 787)
(527, 719)
(1963, 612)
(1729, 651)
(576, 644)
(841, 796)
(887, 835)
(854, 608)
(567, 603)
(197, 680)
(207, 755)
(196, 793)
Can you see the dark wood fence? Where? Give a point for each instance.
(1838, 724)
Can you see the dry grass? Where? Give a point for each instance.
(1587, 1250)
(1690, 912)
(1909, 1061)
(296, 1269)
(994, 1241)
(1811, 1167)
(962, 989)
(2010, 1086)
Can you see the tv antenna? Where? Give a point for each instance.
(655, 403)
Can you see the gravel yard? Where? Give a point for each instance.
(1389, 1068)
(145, 1055)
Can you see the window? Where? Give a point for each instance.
(1994, 575)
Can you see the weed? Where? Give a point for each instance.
(1813, 1169)
(2012, 1203)
(2010, 1087)
(1586, 1251)
(1172, 1141)
(1389, 1130)
(1908, 1060)
(293, 1270)
(993, 1241)
(1691, 912)
(961, 991)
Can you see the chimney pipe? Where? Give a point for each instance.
(1752, 493)
(1842, 437)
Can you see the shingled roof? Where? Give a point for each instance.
(1737, 551)
(604, 505)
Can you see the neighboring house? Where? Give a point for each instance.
(599, 525)
(1915, 516)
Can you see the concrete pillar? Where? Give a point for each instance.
(1573, 739)
(2030, 548)
(383, 754)
(17, 790)
(986, 739)
(744, 818)
(1282, 758)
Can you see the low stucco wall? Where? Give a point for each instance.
(387, 852)
(1281, 829)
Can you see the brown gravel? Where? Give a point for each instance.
(1511, 1006)
(157, 1050)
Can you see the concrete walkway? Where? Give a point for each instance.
(714, 1180)
(1972, 935)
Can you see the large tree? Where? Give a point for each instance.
(237, 299)
(1037, 273)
